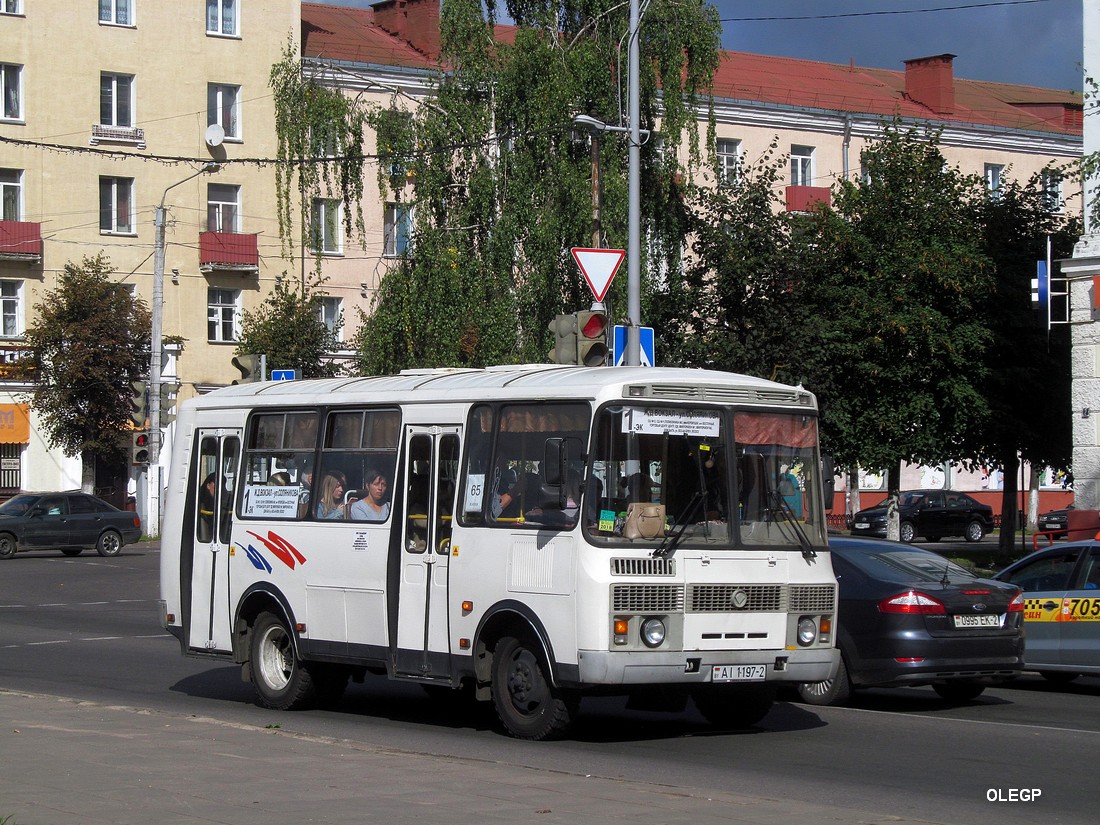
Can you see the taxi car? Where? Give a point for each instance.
(909, 617)
(1061, 585)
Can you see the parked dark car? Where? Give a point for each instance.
(929, 514)
(1061, 587)
(1055, 523)
(910, 617)
(68, 522)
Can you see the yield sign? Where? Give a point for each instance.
(598, 267)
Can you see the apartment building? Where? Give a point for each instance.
(111, 109)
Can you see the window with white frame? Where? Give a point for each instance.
(325, 228)
(223, 312)
(116, 12)
(116, 99)
(11, 309)
(729, 160)
(11, 80)
(802, 165)
(223, 207)
(397, 229)
(221, 17)
(116, 205)
(994, 175)
(11, 194)
(330, 312)
(12, 7)
(223, 107)
(1051, 181)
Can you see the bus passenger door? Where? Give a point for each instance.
(430, 473)
(213, 485)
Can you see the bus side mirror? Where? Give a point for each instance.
(828, 479)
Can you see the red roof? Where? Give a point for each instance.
(347, 34)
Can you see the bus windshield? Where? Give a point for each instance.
(747, 479)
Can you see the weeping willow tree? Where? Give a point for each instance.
(500, 180)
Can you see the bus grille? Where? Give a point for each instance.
(723, 598)
(647, 598)
(643, 567)
(813, 598)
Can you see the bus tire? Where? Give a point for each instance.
(280, 679)
(527, 704)
(734, 708)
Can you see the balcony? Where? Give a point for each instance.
(21, 241)
(117, 134)
(228, 251)
(803, 198)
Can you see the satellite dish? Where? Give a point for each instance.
(215, 134)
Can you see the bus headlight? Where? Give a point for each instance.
(807, 631)
(653, 632)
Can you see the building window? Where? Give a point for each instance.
(729, 160)
(116, 99)
(1051, 181)
(223, 211)
(397, 227)
(222, 314)
(330, 312)
(221, 17)
(802, 166)
(11, 78)
(11, 308)
(12, 7)
(994, 173)
(223, 108)
(325, 229)
(11, 194)
(116, 206)
(116, 12)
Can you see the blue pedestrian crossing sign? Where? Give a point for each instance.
(284, 375)
(647, 356)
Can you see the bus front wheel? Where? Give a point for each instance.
(281, 681)
(527, 704)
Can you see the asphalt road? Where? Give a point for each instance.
(85, 629)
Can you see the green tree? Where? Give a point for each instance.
(501, 182)
(1029, 374)
(89, 340)
(899, 281)
(288, 329)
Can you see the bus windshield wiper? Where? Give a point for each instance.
(780, 506)
(672, 538)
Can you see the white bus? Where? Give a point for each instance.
(533, 533)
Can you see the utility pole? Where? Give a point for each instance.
(633, 354)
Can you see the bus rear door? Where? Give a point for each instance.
(213, 483)
(430, 470)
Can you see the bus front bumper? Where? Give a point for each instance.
(601, 667)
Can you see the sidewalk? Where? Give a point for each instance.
(81, 763)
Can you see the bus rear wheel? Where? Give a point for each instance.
(280, 679)
(527, 704)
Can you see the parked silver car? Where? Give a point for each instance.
(69, 522)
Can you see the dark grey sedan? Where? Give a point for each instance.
(69, 522)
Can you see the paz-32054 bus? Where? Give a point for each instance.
(532, 533)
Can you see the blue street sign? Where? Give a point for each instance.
(284, 375)
(1041, 284)
(648, 358)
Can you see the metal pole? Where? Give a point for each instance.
(633, 354)
(595, 137)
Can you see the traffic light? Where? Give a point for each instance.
(592, 338)
(168, 395)
(249, 366)
(564, 328)
(139, 447)
(139, 411)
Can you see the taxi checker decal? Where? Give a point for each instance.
(279, 547)
(1070, 609)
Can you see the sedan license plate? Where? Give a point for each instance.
(738, 673)
(1051, 526)
(861, 525)
(977, 621)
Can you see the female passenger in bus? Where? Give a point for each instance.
(374, 507)
(330, 503)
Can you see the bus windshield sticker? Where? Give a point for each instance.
(475, 490)
(268, 501)
(656, 421)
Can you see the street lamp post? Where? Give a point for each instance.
(155, 355)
